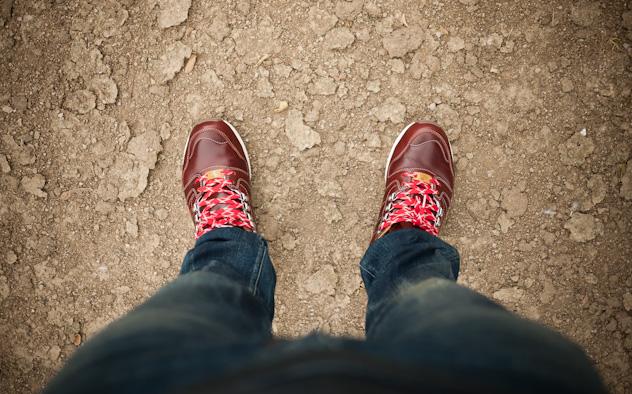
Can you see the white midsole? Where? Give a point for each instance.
(390, 155)
(397, 140)
(241, 142)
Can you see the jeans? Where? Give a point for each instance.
(215, 320)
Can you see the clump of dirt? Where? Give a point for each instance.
(97, 98)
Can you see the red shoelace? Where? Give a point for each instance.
(416, 202)
(220, 204)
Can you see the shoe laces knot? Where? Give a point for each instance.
(415, 202)
(220, 203)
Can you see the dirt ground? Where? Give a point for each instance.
(97, 98)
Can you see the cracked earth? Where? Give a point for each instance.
(97, 99)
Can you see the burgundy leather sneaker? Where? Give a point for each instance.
(216, 178)
(419, 181)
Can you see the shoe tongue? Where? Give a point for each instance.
(212, 174)
(208, 176)
(421, 176)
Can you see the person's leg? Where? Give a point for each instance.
(399, 261)
(417, 313)
(210, 319)
(217, 313)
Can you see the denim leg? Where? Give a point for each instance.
(239, 255)
(401, 259)
(217, 314)
(418, 314)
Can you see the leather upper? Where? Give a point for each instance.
(213, 145)
(424, 147)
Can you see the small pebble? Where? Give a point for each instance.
(281, 107)
(11, 257)
(4, 164)
(162, 214)
(188, 67)
(373, 86)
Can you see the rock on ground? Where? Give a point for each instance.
(504, 222)
(34, 184)
(300, 135)
(391, 109)
(127, 177)
(324, 86)
(585, 13)
(171, 62)
(131, 227)
(626, 19)
(5, 9)
(329, 188)
(252, 44)
(105, 89)
(598, 188)
(514, 202)
(373, 86)
(348, 9)
(567, 85)
(110, 18)
(322, 281)
(450, 121)
(455, 44)
(219, 28)
(402, 41)
(4, 164)
(582, 227)
(509, 295)
(626, 182)
(19, 153)
(173, 12)
(576, 149)
(264, 88)
(627, 301)
(11, 257)
(339, 38)
(54, 352)
(80, 101)
(145, 148)
(5, 290)
(321, 21)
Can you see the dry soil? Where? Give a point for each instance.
(97, 98)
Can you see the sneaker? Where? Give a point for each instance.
(419, 181)
(216, 178)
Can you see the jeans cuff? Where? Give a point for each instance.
(396, 247)
(245, 253)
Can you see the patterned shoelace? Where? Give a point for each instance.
(416, 202)
(220, 204)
